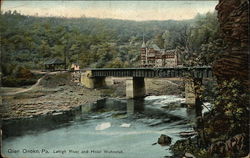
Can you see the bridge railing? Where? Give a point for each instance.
(197, 72)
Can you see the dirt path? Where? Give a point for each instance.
(5, 91)
(20, 90)
(54, 92)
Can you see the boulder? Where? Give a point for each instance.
(164, 140)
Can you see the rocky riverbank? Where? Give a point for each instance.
(208, 144)
(55, 92)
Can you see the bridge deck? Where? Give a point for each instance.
(197, 72)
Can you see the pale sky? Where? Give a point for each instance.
(126, 10)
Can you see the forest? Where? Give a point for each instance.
(29, 41)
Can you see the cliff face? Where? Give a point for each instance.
(232, 72)
(233, 19)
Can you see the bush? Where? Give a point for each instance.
(10, 81)
(21, 72)
(7, 69)
(15, 76)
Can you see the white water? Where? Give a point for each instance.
(125, 125)
(107, 137)
(103, 126)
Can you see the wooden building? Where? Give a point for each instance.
(54, 64)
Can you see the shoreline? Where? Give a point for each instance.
(57, 98)
(56, 93)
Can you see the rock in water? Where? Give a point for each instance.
(103, 126)
(154, 143)
(164, 140)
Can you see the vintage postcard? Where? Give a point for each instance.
(124, 79)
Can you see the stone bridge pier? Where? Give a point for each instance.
(135, 87)
(192, 90)
(135, 84)
(89, 81)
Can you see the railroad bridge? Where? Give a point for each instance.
(135, 84)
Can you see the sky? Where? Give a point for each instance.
(125, 10)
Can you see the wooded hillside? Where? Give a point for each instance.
(29, 41)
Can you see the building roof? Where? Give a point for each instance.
(154, 46)
(143, 45)
(54, 61)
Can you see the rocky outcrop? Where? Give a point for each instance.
(227, 135)
(233, 146)
(164, 140)
(233, 19)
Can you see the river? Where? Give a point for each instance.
(109, 128)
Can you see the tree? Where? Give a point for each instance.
(45, 49)
(205, 30)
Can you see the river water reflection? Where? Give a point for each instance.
(110, 128)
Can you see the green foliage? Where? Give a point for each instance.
(211, 51)
(17, 76)
(188, 146)
(205, 44)
(158, 39)
(232, 102)
(116, 63)
(199, 40)
(10, 81)
(30, 41)
(204, 31)
(21, 72)
(176, 36)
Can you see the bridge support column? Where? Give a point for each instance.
(193, 99)
(89, 81)
(135, 87)
(191, 88)
(135, 105)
